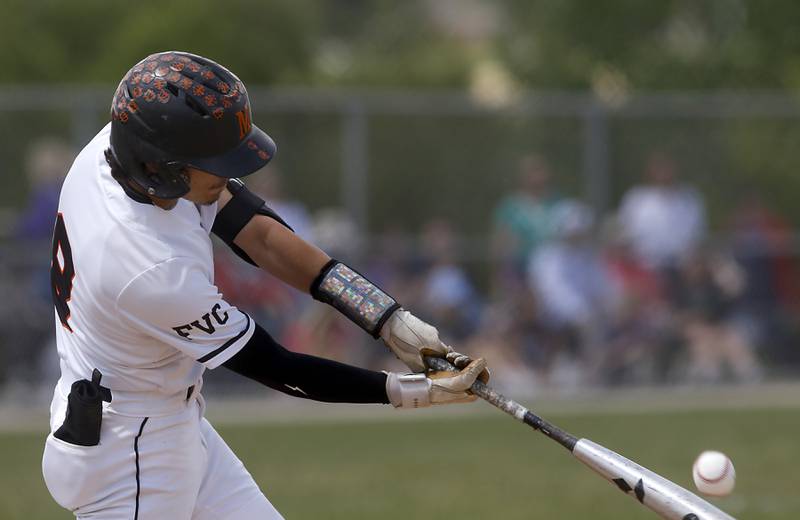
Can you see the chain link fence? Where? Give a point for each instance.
(407, 186)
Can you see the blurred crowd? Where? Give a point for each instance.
(559, 297)
(643, 296)
(554, 295)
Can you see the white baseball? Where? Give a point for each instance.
(713, 473)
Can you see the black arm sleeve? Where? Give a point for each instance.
(264, 360)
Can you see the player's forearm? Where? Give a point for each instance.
(309, 377)
(281, 253)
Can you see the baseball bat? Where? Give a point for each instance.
(663, 496)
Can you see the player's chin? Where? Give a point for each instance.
(212, 196)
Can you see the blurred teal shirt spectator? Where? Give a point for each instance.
(523, 219)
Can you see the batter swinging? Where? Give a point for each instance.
(139, 319)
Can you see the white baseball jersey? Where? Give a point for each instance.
(136, 296)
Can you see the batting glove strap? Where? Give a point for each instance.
(408, 390)
(363, 302)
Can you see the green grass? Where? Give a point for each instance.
(475, 467)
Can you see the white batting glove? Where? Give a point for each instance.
(420, 391)
(410, 339)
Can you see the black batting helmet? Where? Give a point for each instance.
(174, 110)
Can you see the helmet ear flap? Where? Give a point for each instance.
(168, 180)
(162, 179)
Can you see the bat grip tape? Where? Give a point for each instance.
(509, 406)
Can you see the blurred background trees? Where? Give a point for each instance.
(553, 44)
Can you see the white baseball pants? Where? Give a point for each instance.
(172, 467)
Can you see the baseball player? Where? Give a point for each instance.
(139, 319)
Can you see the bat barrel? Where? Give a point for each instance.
(663, 496)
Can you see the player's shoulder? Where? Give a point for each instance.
(89, 156)
(174, 282)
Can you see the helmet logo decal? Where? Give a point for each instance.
(243, 116)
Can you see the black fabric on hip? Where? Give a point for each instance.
(264, 360)
(237, 213)
(84, 415)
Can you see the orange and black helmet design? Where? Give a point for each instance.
(178, 110)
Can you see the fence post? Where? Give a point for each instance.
(355, 163)
(596, 178)
(83, 120)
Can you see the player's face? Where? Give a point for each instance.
(204, 188)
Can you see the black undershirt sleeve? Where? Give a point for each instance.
(300, 375)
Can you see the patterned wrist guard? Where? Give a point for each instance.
(360, 300)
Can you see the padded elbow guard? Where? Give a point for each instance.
(364, 303)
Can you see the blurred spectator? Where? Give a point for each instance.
(641, 345)
(269, 301)
(390, 264)
(336, 233)
(448, 297)
(47, 164)
(573, 286)
(761, 242)
(320, 329)
(708, 288)
(663, 219)
(24, 351)
(268, 183)
(523, 219)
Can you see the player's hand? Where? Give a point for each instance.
(420, 390)
(410, 339)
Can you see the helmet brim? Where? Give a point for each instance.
(252, 154)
